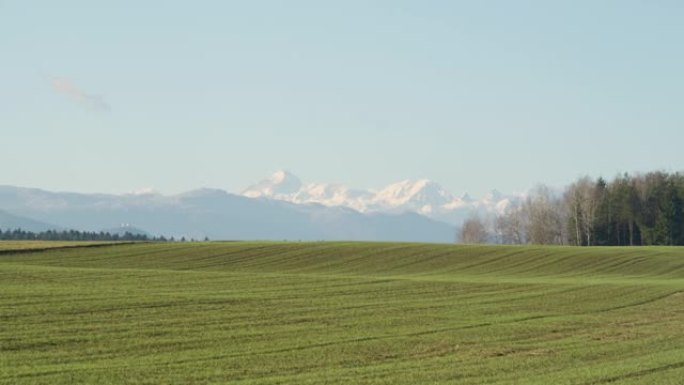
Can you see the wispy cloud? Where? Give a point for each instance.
(88, 101)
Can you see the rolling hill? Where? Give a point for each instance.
(340, 313)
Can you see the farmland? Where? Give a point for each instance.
(26, 246)
(340, 313)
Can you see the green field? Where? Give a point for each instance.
(8, 246)
(341, 313)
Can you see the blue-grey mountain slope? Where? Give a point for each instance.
(218, 215)
(11, 222)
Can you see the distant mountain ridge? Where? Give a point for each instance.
(213, 213)
(12, 222)
(420, 196)
(278, 207)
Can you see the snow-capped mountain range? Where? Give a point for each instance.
(420, 196)
(279, 207)
(212, 213)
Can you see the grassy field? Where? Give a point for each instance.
(341, 313)
(8, 246)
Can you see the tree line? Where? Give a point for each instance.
(630, 210)
(74, 235)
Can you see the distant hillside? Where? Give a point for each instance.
(10, 221)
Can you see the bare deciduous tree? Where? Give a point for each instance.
(511, 226)
(582, 200)
(474, 230)
(545, 213)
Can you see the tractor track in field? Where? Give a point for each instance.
(636, 374)
(442, 330)
(640, 303)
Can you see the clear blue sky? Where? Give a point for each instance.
(116, 96)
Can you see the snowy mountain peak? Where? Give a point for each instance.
(283, 176)
(421, 196)
(280, 183)
(493, 196)
(417, 193)
(465, 197)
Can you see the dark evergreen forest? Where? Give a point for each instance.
(73, 235)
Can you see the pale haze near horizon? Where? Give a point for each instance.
(474, 95)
